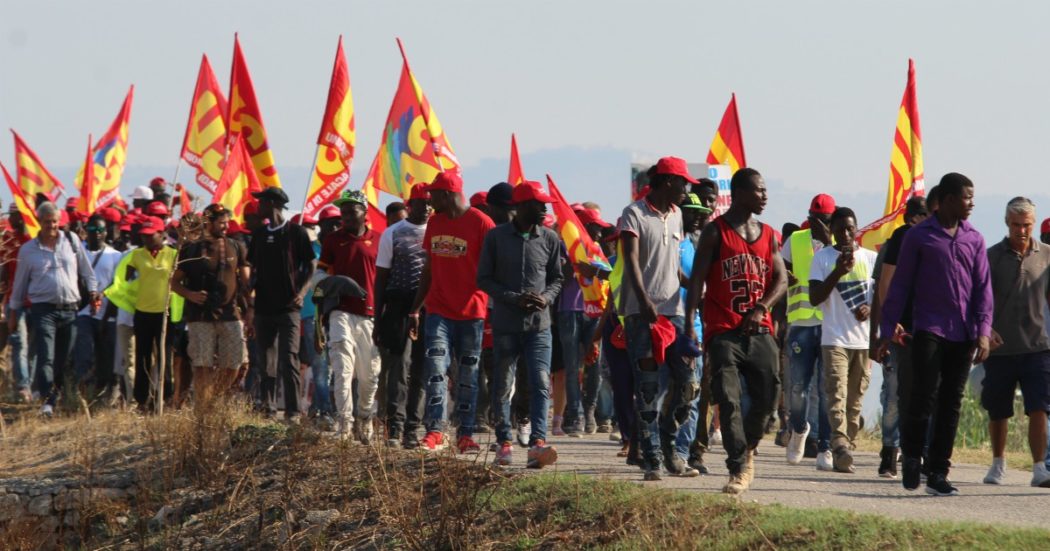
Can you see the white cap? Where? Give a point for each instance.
(142, 192)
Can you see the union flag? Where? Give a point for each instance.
(515, 175)
(335, 143)
(25, 207)
(204, 144)
(245, 120)
(32, 176)
(108, 157)
(238, 182)
(728, 146)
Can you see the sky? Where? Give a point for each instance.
(588, 86)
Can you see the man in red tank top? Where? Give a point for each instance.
(737, 262)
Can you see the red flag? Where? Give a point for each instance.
(31, 174)
(87, 202)
(245, 120)
(516, 175)
(25, 207)
(204, 144)
(185, 205)
(110, 155)
(238, 182)
(581, 249)
(728, 146)
(336, 140)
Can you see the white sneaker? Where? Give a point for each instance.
(1040, 476)
(796, 447)
(344, 428)
(716, 438)
(996, 473)
(615, 436)
(824, 461)
(47, 410)
(524, 432)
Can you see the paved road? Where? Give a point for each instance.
(1014, 503)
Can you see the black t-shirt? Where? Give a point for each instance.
(892, 251)
(281, 259)
(205, 271)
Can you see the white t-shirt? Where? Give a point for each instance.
(105, 262)
(840, 327)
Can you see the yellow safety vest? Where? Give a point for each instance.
(799, 307)
(123, 293)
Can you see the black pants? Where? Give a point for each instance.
(933, 385)
(277, 336)
(404, 388)
(148, 326)
(754, 359)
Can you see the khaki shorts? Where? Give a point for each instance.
(217, 344)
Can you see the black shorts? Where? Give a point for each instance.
(1002, 374)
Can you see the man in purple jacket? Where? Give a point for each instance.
(943, 261)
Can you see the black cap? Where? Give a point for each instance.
(275, 194)
(500, 195)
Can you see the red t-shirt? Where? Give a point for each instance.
(9, 256)
(737, 280)
(453, 246)
(346, 254)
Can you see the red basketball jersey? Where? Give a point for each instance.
(737, 280)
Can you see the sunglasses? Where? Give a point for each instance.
(95, 229)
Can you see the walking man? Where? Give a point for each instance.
(737, 262)
(520, 269)
(944, 266)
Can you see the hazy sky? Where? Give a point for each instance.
(587, 85)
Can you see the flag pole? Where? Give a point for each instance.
(309, 179)
(422, 111)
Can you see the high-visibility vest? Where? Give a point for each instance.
(124, 293)
(799, 308)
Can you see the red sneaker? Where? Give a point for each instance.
(433, 441)
(541, 455)
(467, 444)
(503, 454)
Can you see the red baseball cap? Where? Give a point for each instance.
(235, 227)
(422, 191)
(822, 204)
(479, 199)
(447, 181)
(591, 216)
(298, 220)
(329, 212)
(675, 167)
(157, 208)
(151, 225)
(1045, 228)
(529, 191)
(159, 181)
(71, 202)
(110, 214)
(663, 335)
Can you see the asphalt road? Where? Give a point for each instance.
(1014, 503)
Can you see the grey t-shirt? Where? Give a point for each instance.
(401, 252)
(659, 236)
(1020, 287)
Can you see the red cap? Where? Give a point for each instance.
(591, 216)
(151, 225)
(329, 212)
(110, 214)
(71, 202)
(157, 208)
(159, 181)
(477, 200)
(298, 220)
(663, 335)
(251, 208)
(1045, 228)
(421, 191)
(675, 167)
(822, 204)
(234, 227)
(447, 181)
(529, 191)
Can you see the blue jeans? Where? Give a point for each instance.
(686, 431)
(684, 387)
(444, 338)
(804, 362)
(23, 372)
(322, 398)
(604, 404)
(891, 417)
(53, 334)
(576, 331)
(84, 346)
(536, 348)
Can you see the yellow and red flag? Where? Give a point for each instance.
(728, 146)
(581, 249)
(25, 208)
(245, 120)
(86, 182)
(185, 204)
(31, 174)
(906, 170)
(336, 141)
(108, 158)
(516, 175)
(414, 147)
(204, 144)
(376, 216)
(238, 182)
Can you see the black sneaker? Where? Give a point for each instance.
(652, 475)
(888, 465)
(697, 462)
(911, 473)
(937, 485)
(810, 450)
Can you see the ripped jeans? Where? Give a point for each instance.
(535, 347)
(444, 338)
(684, 386)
